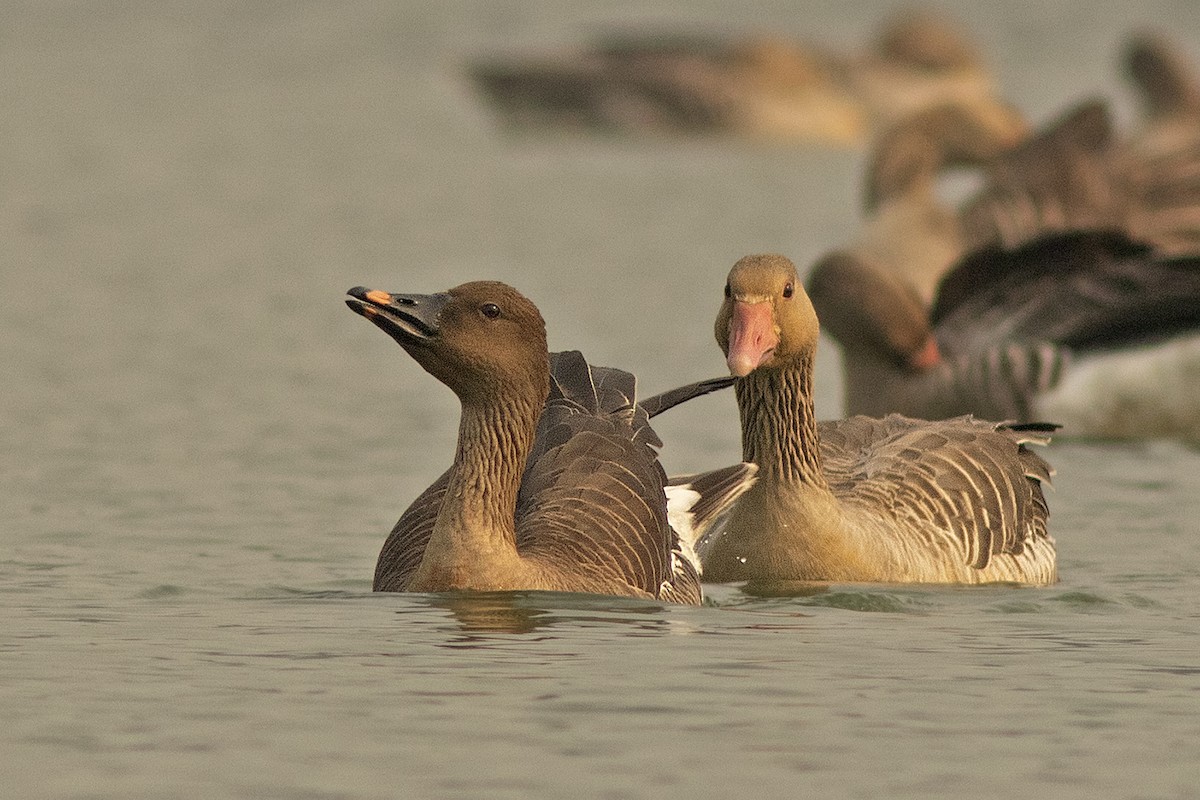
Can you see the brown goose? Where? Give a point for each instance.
(892, 499)
(763, 87)
(1169, 90)
(1090, 329)
(908, 229)
(756, 86)
(555, 483)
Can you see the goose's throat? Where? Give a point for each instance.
(779, 429)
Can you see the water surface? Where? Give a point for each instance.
(205, 448)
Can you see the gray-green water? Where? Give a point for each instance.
(204, 448)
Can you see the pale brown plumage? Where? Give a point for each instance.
(893, 499)
(555, 483)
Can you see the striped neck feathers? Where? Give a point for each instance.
(494, 442)
(779, 429)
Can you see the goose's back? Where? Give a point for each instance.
(593, 493)
(1061, 179)
(961, 499)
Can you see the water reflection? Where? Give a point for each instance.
(884, 598)
(480, 616)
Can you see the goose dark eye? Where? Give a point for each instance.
(727, 292)
(490, 310)
(788, 290)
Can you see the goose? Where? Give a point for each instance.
(555, 483)
(863, 499)
(1168, 89)
(907, 227)
(761, 86)
(1091, 329)
(758, 86)
(1115, 234)
(1072, 174)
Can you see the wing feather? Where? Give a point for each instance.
(961, 484)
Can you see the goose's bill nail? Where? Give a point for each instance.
(752, 337)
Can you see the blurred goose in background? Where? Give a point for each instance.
(555, 483)
(1069, 298)
(908, 228)
(1168, 88)
(1073, 174)
(1079, 174)
(892, 499)
(1090, 329)
(755, 86)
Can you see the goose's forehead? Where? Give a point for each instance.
(476, 290)
(761, 274)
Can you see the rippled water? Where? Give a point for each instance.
(205, 448)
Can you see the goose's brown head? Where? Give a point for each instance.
(916, 149)
(479, 339)
(1164, 77)
(766, 320)
(925, 40)
(870, 311)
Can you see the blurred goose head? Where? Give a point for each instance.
(1164, 77)
(871, 312)
(908, 156)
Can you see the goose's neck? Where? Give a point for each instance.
(905, 167)
(478, 516)
(779, 427)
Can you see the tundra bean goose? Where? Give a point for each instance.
(892, 499)
(555, 483)
(1090, 329)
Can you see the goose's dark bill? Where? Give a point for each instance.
(407, 318)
